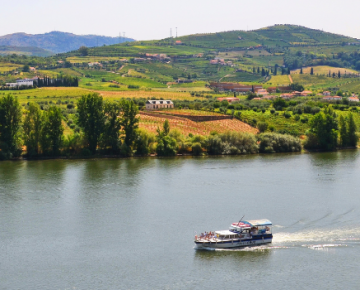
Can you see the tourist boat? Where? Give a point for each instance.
(240, 234)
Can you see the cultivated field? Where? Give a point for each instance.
(186, 126)
(324, 70)
(51, 93)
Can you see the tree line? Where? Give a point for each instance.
(106, 126)
(59, 81)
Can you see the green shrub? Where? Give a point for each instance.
(287, 115)
(272, 111)
(272, 142)
(304, 119)
(196, 148)
(262, 126)
(297, 117)
(230, 143)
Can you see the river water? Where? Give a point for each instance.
(130, 224)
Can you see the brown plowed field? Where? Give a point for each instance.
(186, 126)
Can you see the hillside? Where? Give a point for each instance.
(58, 42)
(30, 51)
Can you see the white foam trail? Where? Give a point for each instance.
(323, 247)
(317, 235)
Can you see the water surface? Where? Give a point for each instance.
(129, 224)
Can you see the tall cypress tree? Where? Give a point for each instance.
(351, 129)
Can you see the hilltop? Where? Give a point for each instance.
(58, 42)
(29, 51)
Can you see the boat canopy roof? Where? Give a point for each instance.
(252, 223)
(225, 233)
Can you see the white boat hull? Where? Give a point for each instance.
(213, 244)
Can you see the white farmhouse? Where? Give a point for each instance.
(23, 82)
(159, 104)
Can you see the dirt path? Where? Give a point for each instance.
(290, 78)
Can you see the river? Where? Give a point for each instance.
(130, 223)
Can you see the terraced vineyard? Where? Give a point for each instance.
(185, 126)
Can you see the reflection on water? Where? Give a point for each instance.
(242, 255)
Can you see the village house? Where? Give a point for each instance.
(305, 93)
(326, 93)
(21, 82)
(32, 69)
(230, 100)
(178, 42)
(271, 90)
(92, 64)
(159, 104)
(353, 99)
(262, 92)
(184, 81)
(332, 98)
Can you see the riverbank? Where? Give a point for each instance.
(79, 157)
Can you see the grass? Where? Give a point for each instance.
(278, 80)
(87, 59)
(279, 122)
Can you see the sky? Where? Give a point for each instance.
(146, 20)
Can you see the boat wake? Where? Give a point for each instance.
(323, 237)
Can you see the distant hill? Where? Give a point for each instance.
(272, 36)
(58, 42)
(29, 51)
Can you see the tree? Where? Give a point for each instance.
(301, 71)
(84, 51)
(343, 131)
(323, 129)
(10, 120)
(26, 68)
(33, 124)
(339, 74)
(167, 146)
(262, 126)
(129, 122)
(297, 87)
(91, 118)
(52, 132)
(112, 126)
(351, 129)
(312, 71)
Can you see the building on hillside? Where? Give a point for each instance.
(262, 92)
(286, 96)
(326, 93)
(32, 69)
(296, 93)
(21, 82)
(353, 99)
(234, 87)
(271, 90)
(178, 42)
(332, 98)
(284, 89)
(214, 61)
(93, 64)
(305, 93)
(159, 104)
(184, 81)
(230, 100)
